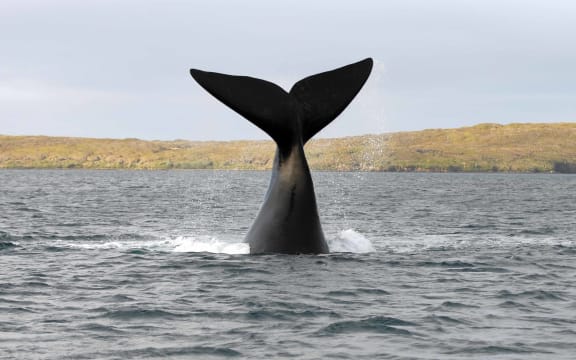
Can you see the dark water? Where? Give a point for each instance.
(113, 265)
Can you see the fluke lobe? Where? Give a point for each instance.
(288, 221)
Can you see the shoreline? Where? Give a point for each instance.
(269, 170)
(484, 148)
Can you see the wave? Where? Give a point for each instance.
(193, 351)
(450, 242)
(7, 245)
(533, 294)
(137, 313)
(377, 324)
(493, 350)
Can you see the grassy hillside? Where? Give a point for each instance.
(485, 147)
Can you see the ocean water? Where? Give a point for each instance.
(151, 264)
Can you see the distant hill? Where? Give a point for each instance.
(480, 148)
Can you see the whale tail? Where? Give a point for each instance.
(311, 104)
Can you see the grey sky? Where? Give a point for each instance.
(103, 68)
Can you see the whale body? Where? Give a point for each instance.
(288, 220)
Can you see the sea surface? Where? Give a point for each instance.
(151, 265)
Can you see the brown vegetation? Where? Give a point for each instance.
(480, 148)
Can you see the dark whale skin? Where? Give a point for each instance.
(288, 220)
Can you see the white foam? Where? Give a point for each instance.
(211, 245)
(119, 244)
(346, 241)
(171, 244)
(350, 241)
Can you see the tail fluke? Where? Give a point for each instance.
(263, 103)
(322, 97)
(288, 117)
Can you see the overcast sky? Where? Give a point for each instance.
(118, 69)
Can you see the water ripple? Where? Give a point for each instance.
(377, 324)
(133, 265)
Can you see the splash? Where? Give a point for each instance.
(347, 241)
(350, 241)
